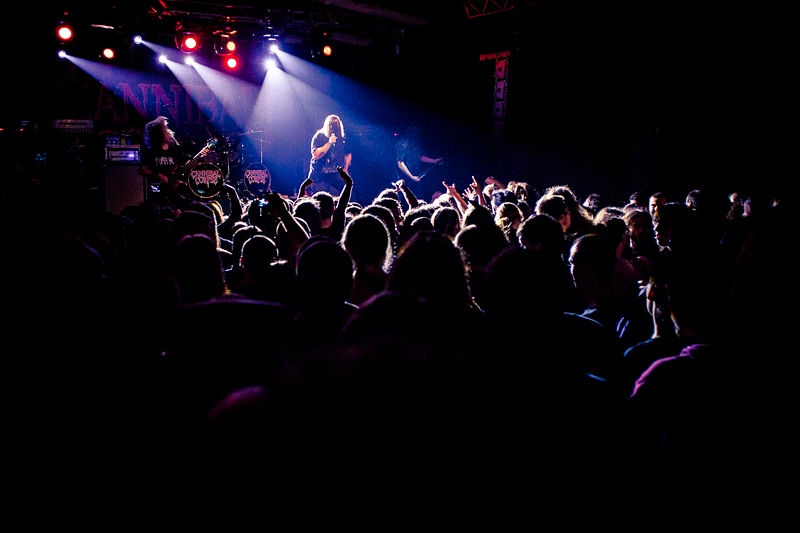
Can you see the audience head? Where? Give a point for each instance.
(671, 223)
(656, 199)
(394, 206)
(385, 216)
(325, 203)
(446, 220)
(593, 260)
(524, 192)
(640, 224)
(542, 232)
(366, 239)
(308, 209)
(240, 236)
(508, 217)
(594, 203)
(638, 199)
(197, 268)
(430, 266)
(555, 206)
(696, 200)
(324, 274)
(501, 196)
(258, 253)
(607, 213)
(532, 282)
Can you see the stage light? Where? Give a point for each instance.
(224, 43)
(62, 54)
(108, 53)
(137, 39)
(187, 42)
(320, 44)
(231, 63)
(64, 33)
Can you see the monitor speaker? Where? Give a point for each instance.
(122, 186)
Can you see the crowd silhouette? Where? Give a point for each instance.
(511, 330)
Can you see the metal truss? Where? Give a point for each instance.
(478, 9)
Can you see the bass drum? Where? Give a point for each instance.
(205, 180)
(257, 179)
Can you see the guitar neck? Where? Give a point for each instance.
(194, 161)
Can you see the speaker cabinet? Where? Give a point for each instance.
(122, 186)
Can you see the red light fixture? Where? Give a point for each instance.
(224, 43)
(187, 42)
(231, 63)
(64, 33)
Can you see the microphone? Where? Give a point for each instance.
(333, 142)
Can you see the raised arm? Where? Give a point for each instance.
(478, 191)
(453, 192)
(408, 194)
(296, 234)
(308, 182)
(346, 194)
(237, 211)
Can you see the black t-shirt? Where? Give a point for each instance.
(333, 158)
(167, 162)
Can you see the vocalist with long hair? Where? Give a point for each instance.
(328, 151)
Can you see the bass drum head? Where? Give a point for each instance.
(257, 179)
(205, 180)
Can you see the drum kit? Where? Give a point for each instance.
(207, 179)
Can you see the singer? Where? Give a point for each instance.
(328, 151)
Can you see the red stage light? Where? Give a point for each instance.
(231, 63)
(187, 42)
(64, 32)
(224, 43)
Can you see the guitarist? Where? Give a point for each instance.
(163, 159)
(410, 159)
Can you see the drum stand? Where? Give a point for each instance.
(242, 186)
(260, 148)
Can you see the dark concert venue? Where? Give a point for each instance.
(476, 247)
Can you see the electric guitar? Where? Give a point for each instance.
(178, 174)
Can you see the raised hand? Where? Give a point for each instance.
(475, 185)
(275, 204)
(308, 182)
(346, 178)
